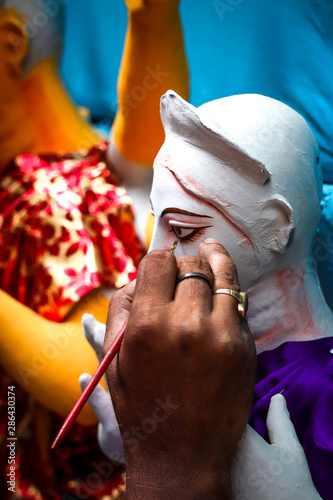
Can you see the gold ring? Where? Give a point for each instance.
(239, 296)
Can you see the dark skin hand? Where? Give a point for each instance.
(183, 382)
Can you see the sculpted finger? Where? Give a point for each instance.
(94, 332)
(252, 444)
(99, 401)
(108, 433)
(280, 428)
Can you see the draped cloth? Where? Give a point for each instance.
(66, 228)
(303, 373)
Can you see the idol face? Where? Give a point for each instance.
(183, 217)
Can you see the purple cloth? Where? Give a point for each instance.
(303, 373)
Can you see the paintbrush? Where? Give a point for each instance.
(112, 351)
(102, 367)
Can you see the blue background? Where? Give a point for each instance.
(279, 48)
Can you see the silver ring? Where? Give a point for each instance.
(194, 275)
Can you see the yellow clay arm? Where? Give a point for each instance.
(153, 61)
(46, 358)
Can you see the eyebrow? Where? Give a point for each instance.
(183, 212)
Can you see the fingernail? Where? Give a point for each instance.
(210, 240)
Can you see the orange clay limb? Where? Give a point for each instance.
(46, 358)
(153, 61)
(40, 117)
(37, 113)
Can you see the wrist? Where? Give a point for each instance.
(167, 482)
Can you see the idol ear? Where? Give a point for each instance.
(284, 225)
(14, 43)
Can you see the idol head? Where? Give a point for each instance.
(30, 32)
(244, 170)
(30, 49)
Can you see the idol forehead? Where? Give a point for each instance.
(182, 121)
(204, 176)
(168, 191)
(170, 177)
(247, 148)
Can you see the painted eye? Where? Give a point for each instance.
(188, 234)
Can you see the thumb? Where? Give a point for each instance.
(280, 428)
(119, 309)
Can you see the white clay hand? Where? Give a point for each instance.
(276, 471)
(94, 332)
(108, 434)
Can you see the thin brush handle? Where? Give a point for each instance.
(111, 352)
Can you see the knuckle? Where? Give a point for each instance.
(155, 263)
(137, 337)
(187, 333)
(188, 260)
(145, 334)
(147, 323)
(121, 298)
(205, 268)
(116, 299)
(243, 349)
(146, 320)
(186, 338)
(187, 263)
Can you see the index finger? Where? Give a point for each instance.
(156, 279)
(154, 286)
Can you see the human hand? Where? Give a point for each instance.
(183, 382)
(276, 471)
(108, 435)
